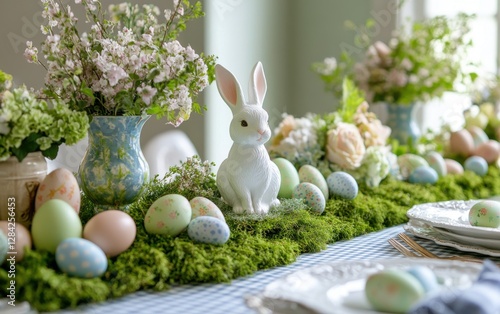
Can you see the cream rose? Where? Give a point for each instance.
(345, 146)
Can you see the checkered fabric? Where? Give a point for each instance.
(229, 298)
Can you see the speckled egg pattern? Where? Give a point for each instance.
(312, 196)
(342, 184)
(201, 206)
(207, 229)
(476, 164)
(170, 215)
(308, 173)
(485, 214)
(423, 175)
(81, 258)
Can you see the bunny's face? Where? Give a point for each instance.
(250, 126)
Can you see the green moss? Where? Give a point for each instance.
(155, 262)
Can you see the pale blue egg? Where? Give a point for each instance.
(342, 184)
(207, 229)
(423, 175)
(312, 196)
(477, 165)
(81, 258)
(425, 276)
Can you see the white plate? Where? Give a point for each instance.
(484, 242)
(453, 216)
(338, 287)
(425, 231)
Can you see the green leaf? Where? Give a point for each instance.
(351, 99)
(51, 152)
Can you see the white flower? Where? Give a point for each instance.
(115, 74)
(146, 93)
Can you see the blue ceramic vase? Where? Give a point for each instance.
(401, 120)
(113, 171)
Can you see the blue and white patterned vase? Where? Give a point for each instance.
(401, 120)
(113, 171)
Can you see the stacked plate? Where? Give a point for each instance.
(447, 223)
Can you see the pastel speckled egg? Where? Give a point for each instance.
(59, 184)
(81, 258)
(425, 276)
(342, 184)
(312, 196)
(477, 165)
(423, 175)
(289, 177)
(169, 215)
(485, 214)
(308, 173)
(207, 229)
(392, 290)
(453, 166)
(201, 206)
(436, 162)
(408, 163)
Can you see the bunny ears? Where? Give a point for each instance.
(230, 89)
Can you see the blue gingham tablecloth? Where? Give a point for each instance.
(229, 298)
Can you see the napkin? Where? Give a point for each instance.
(482, 297)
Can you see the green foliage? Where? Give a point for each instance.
(351, 99)
(257, 242)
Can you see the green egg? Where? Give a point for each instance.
(485, 214)
(394, 291)
(308, 173)
(289, 177)
(168, 215)
(54, 222)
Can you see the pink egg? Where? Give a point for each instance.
(19, 236)
(112, 230)
(461, 143)
(453, 166)
(490, 151)
(59, 184)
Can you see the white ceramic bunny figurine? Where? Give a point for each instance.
(247, 179)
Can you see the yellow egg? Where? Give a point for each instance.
(112, 230)
(59, 184)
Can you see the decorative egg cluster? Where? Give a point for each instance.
(485, 214)
(310, 185)
(56, 227)
(172, 214)
(397, 290)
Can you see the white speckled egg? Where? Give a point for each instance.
(409, 162)
(436, 162)
(170, 215)
(207, 229)
(485, 214)
(453, 166)
(308, 173)
(342, 184)
(81, 258)
(423, 175)
(59, 184)
(289, 177)
(477, 165)
(201, 206)
(312, 196)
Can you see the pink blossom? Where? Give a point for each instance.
(147, 93)
(397, 78)
(345, 146)
(115, 74)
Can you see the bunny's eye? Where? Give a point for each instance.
(244, 123)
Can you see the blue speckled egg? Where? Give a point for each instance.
(436, 162)
(207, 229)
(312, 196)
(342, 184)
(477, 165)
(81, 258)
(423, 175)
